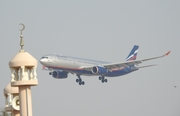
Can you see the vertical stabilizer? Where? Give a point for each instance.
(133, 54)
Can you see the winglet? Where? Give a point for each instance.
(167, 53)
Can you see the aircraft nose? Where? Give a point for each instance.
(42, 61)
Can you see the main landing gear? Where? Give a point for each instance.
(79, 80)
(102, 79)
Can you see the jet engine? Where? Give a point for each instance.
(59, 74)
(99, 70)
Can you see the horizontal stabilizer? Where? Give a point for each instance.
(147, 66)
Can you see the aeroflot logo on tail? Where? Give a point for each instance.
(133, 56)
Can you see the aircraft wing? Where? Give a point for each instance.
(111, 66)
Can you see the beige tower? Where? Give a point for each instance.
(12, 100)
(23, 75)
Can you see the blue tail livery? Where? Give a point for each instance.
(133, 54)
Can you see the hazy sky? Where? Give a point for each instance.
(103, 30)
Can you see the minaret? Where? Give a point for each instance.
(12, 100)
(23, 75)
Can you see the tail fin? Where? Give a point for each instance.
(133, 54)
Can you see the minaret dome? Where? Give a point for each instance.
(22, 58)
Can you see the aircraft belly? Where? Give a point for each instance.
(117, 73)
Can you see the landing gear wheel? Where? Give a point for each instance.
(105, 80)
(100, 78)
(50, 73)
(77, 80)
(82, 82)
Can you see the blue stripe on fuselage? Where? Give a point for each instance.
(113, 73)
(116, 73)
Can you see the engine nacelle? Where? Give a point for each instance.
(99, 70)
(59, 74)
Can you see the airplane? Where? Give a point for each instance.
(60, 66)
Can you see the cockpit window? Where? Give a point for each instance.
(45, 57)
